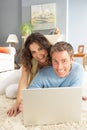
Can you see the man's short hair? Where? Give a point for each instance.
(62, 46)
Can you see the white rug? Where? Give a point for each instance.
(16, 123)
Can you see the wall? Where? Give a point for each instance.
(60, 13)
(15, 12)
(10, 19)
(77, 24)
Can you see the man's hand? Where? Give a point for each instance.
(84, 98)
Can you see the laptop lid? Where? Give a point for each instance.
(51, 105)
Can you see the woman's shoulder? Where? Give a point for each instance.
(34, 61)
(34, 66)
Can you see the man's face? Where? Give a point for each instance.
(61, 62)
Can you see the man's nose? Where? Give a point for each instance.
(59, 66)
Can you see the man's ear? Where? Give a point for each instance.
(72, 59)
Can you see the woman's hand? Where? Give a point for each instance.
(14, 110)
(23, 83)
(21, 106)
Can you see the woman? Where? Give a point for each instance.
(35, 55)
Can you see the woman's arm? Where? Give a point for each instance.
(23, 83)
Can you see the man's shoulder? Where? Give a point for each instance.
(77, 66)
(46, 69)
(77, 69)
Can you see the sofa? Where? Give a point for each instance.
(55, 38)
(52, 38)
(7, 57)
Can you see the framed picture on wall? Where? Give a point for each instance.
(81, 49)
(43, 16)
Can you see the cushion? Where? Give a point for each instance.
(4, 50)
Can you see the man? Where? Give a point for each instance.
(64, 72)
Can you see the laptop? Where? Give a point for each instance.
(51, 105)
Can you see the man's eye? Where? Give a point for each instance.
(64, 61)
(55, 62)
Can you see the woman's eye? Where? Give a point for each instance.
(33, 52)
(40, 48)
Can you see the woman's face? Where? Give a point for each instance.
(38, 53)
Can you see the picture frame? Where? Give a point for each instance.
(43, 16)
(81, 49)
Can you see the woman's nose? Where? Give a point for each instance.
(37, 54)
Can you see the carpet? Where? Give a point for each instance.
(16, 123)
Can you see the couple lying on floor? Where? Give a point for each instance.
(63, 72)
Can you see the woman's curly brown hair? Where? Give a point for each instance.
(41, 40)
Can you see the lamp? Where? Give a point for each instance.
(12, 39)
